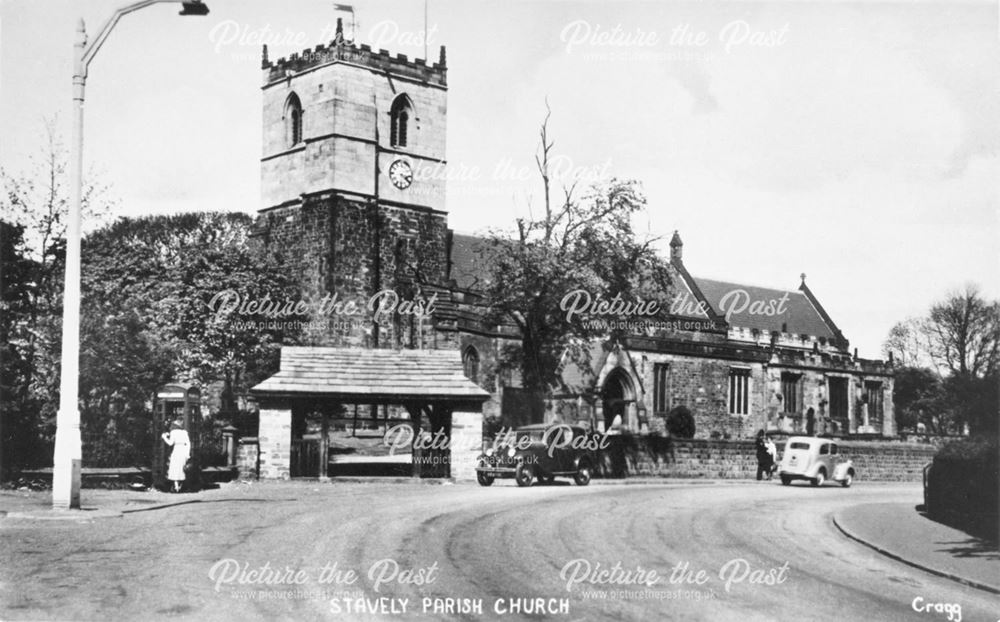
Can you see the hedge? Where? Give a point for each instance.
(963, 485)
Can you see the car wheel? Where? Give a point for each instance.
(523, 475)
(582, 475)
(848, 480)
(785, 480)
(484, 479)
(819, 479)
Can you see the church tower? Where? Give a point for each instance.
(352, 175)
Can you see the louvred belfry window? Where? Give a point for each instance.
(400, 121)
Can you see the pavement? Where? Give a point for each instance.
(898, 531)
(94, 503)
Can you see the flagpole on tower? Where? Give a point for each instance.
(425, 30)
(349, 8)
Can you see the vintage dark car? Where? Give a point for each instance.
(815, 460)
(539, 451)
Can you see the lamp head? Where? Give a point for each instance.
(194, 7)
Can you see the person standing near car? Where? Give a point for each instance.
(772, 451)
(177, 438)
(765, 462)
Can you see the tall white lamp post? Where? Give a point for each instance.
(68, 450)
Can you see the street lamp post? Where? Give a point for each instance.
(68, 450)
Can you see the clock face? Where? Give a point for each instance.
(400, 174)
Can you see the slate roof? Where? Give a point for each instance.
(351, 374)
(800, 317)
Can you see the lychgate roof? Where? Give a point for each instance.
(355, 374)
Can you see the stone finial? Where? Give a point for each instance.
(339, 37)
(264, 62)
(676, 247)
(803, 277)
(443, 58)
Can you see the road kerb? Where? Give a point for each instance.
(941, 573)
(62, 515)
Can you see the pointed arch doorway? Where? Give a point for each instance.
(618, 399)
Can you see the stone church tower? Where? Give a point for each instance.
(352, 180)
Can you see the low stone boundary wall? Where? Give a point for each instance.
(123, 477)
(656, 456)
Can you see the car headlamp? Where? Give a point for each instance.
(489, 452)
(510, 452)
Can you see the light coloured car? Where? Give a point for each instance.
(815, 460)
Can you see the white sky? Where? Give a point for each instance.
(861, 148)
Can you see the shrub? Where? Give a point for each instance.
(963, 484)
(680, 422)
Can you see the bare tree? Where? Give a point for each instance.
(963, 334)
(585, 242)
(907, 344)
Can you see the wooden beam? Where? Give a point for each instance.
(324, 441)
(416, 452)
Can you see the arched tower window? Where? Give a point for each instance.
(293, 120)
(400, 115)
(470, 363)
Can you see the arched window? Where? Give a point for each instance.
(470, 363)
(400, 114)
(293, 120)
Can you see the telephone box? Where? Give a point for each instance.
(176, 401)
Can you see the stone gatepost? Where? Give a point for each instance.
(466, 444)
(275, 438)
(229, 444)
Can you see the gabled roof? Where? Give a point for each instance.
(356, 374)
(800, 317)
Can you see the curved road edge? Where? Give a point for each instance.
(840, 524)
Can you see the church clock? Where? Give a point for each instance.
(401, 174)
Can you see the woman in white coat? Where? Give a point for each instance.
(177, 438)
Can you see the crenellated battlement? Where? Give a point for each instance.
(341, 50)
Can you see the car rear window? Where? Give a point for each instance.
(535, 435)
(799, 446)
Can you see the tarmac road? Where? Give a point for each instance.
(775, 549)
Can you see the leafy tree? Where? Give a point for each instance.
(149, 318)
(19, 438)
(959, 339)
(918, 394)
(121, 364)
(33, 203)
(974, 402)
(587, 243)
